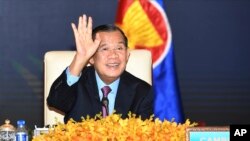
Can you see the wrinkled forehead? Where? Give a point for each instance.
(114, 37)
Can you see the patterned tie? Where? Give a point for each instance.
(105, 102)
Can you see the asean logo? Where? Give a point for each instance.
(145, 24)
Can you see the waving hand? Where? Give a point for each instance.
(85, 46)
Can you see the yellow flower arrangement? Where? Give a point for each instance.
(114, 128)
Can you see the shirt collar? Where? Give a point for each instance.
(113, 85)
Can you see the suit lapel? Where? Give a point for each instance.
(92, 90)
(125, 95)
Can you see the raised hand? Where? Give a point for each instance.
(85, 46)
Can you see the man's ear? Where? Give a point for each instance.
(128, 54)
(91, 61)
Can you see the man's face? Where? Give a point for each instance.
(111, 57)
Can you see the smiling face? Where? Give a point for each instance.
(111, 57)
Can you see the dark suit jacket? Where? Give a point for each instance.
(82, 98)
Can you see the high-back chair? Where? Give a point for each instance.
(139, 64)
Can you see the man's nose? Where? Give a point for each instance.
(113, 53)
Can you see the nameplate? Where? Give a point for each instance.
(208, 134)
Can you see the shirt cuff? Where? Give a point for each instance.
(71, 79)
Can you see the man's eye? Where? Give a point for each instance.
(120, 48)
(104, 49)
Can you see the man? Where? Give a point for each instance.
(78, 90)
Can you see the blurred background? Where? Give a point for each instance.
(211, 41)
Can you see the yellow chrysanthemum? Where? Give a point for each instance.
(114, 128)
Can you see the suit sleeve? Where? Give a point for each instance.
(61, 95)
(146, 106)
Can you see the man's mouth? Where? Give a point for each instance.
(112, 64)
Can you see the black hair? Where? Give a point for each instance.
(109, 28)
